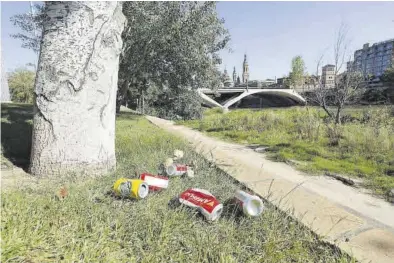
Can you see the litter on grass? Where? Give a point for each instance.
(155, 182)
(131, 188)
(251, 205)
(203, 201)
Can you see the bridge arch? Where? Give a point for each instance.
(284, 93)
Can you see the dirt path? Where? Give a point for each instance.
(357, 222)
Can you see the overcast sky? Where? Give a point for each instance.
(271, 33)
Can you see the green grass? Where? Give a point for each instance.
(91, 226)
(361, 147)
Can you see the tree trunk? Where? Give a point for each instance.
(338, 115)
(142, 103)
(76, 83)
(122, 95)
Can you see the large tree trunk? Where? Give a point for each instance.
(76, 83)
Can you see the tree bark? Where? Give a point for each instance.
(75, 89)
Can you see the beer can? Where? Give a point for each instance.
(131, 188)
(251, 205)
(155, 182)
(176, 169)
(203, 201)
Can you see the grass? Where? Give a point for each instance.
(91, 226)
(362, 147)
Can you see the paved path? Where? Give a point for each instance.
(358, 223)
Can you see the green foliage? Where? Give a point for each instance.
(178, 104)
(388, 77)
(31, 27)
(362, 146)
(297, 74)
(21, 83)
(169, 47)
(91, 226)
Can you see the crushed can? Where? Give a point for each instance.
(251, 205)
(203, 201)
(131, 188)
(176, 169)
(155, 182)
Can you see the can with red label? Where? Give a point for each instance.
(155, 182)
(203, 201)
(176, 169)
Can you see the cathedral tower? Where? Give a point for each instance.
(245, 71)
(234, 76)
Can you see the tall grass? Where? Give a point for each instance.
(362, 146)
(92, 226)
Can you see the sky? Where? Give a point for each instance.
(270, 33)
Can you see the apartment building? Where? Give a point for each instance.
(373, 60)
(328, 76)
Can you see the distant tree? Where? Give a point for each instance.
(31, 27)
(348, 86)
(388, 77)
(297, 74)
(21, 83)
(169, 46)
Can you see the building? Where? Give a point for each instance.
(373, 60)
(227, 80)
(246, 82)
(328, 76)
(245, 71)
(234, 76)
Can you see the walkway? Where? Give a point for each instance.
(358, 223)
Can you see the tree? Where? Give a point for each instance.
(297, 74)
(31, 26)
(21, 83)
(348, 86)
(388, 77)
(75, 89)
(171, 46)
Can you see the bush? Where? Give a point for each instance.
(21, 83)
(181, 105)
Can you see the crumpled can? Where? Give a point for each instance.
(203, 201)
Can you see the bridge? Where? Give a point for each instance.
(235, 95)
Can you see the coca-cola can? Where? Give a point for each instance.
(155, 182)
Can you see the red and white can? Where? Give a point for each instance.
(203, 201)
(176, 169)
(155, 182)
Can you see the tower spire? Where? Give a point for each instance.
(245, 70)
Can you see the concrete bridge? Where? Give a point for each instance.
(230, 96)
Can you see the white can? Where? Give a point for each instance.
(176, 169)
(155, 182)
(251, 205)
